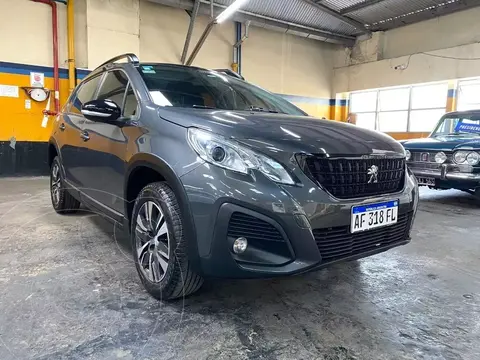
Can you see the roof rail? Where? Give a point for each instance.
(132, 59)
(230, 73)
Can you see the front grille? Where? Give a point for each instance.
(427, 156)
(252, 228)
(338, 243)
(350, 178)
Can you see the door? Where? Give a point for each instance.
(107, 146)
(70, 129)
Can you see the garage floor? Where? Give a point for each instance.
(69, 290)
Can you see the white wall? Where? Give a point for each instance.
(371, 63)
(104, 28)
(288, 64)
(26, 32)
(162, 36)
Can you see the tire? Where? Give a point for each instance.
(62, 201)
(161, 258)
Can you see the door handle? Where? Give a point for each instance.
(84, 136)
(62, 127)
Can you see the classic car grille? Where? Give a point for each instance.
(350, 178)
(337, 243)
(426, 156)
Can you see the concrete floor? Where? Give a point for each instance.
(69, 290)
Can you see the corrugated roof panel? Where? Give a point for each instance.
(296, 11)
(392, 10)
(339, 5)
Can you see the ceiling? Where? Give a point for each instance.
(336, 21)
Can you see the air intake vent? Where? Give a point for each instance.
(252, 228)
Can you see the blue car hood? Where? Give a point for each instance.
(443, 143)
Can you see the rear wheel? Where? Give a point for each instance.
(62, 201)
(159, 246)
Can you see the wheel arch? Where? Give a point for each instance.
(150, 164)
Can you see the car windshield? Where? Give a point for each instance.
(467, 125)
(179, 86)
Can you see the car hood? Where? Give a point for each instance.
(443, 143)
(274, 133)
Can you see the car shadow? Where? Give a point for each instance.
(216, 294)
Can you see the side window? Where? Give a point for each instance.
(113, 87)
(85, 93)
(131, 103)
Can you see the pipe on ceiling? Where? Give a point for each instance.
(266, 22)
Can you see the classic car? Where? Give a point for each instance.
(450, 156)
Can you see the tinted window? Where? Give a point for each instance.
(130, 103)
(189, 87)
(85, 93)
(113, 87)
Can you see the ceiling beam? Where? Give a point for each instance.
(356, 24)
(360, 6)
(265, 22)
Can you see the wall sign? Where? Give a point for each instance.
(9, 91)
(37, 79)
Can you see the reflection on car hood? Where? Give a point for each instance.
(444, 143)
(273, 133)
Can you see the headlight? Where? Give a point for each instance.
(460, 157)
(473, 158)
(440, 157)
(408, 155)
(230, 155)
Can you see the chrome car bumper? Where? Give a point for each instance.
(444, 174)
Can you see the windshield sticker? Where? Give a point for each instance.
(470, 128)
(148, 70)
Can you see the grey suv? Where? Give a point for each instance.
(215, 177)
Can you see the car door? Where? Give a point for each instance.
(107, 146)
(70, 130)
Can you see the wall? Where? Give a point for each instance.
(299, 69)
(441, 49)
(371, 63)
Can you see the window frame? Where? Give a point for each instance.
(409, 109)
(74, 95)
(122, 105)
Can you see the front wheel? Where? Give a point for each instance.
(159, 246)
(63, 202)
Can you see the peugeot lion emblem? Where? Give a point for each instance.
(373, 172)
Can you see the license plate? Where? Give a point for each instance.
(425, 181)
(367, 217)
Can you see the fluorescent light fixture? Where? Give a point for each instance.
(229, 11)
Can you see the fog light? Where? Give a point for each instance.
(440, 158)
(240, 245)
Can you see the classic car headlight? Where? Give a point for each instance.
(473, 158)
(460, 157)
(408, 155)
(440, 157)
(230, 155)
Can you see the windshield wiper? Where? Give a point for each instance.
(203, 107)
(260, 109)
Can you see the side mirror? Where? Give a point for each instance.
(105, 111)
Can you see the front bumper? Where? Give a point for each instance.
(444, 174)
(298, 214)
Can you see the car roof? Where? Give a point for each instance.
(465, 112)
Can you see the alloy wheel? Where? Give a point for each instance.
(152, 240)
(55, 185)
